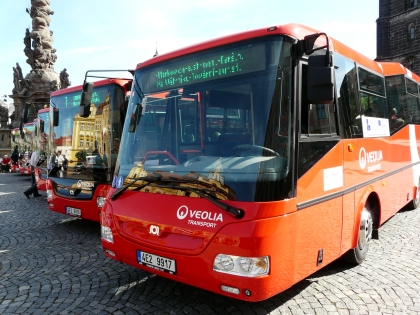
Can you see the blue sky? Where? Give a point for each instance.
(118, 34)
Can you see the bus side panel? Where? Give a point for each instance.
(348, 222)
(318, 236)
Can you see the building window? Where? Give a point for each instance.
(411, 32)
(82, 126)
(81, 143)
(412, 3)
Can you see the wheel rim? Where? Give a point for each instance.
(366, 226)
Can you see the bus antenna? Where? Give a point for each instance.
(250, 20)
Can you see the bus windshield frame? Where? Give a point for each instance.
(85, 144)
(220, 117)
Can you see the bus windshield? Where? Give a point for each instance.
(42, 133)
(220, 117)
(83, 146)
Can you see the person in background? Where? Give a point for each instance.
(33, 189)
(5, 164)
(15, 155)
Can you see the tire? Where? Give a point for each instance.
(413, 204)
(358, 255)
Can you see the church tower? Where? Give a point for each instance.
(398, 33)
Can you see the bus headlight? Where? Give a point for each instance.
(242, 266)
(49, 194)
(100, 201)
(106, 234)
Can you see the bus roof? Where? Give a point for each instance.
(395, 68)
(95, 83)
(297, 31)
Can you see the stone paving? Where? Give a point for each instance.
(54, 264)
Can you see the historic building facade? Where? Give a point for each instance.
(398, 33)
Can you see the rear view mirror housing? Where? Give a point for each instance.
(84, 110)
(25, 113)
(41, 126)
(320, 80)
(56, 117)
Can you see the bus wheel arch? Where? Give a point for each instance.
(368, 218)
(415, 202)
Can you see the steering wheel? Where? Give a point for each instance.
(160, 153)
(252, 148)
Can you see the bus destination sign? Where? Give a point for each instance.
(205, 67)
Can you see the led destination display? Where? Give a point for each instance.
(204, 67)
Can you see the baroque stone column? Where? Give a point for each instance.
(35, 88)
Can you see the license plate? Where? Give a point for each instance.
(157, 262)
(25, 172)
(73, 211)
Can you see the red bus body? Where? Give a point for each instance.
(178, 234)
(42, 135)
(16, 141)
(28, 146)
(76, 190)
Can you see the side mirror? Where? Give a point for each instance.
(123, 109)
(25, 113)
(320, 80)
(84, 110)
(22, 135)
(56, 116)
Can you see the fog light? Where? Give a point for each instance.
(242, 266)
(106, 234)
(230, 289)
(100, 201)
(110, 252)
(49, 194)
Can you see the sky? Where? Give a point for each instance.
(119, 34)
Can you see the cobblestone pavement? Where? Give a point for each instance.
(54, 264)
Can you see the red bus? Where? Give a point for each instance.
(42, 134)
(28, 146)
(16, 141)
(84, 148)
(307, 173)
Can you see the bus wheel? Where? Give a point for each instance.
(413, 204)
(357, 255)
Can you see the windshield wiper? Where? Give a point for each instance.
(207, 194)
(148, 179)
(159, 181)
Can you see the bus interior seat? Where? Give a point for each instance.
(228, 141)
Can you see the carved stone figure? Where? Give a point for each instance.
(16, 80)
(64, 78)
(27, 39)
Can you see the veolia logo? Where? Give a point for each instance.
(362, 158)
(84, 184)
(182, 212)
(369, 157)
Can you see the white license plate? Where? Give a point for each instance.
(157, 262)
(73, 211)
(25, 172)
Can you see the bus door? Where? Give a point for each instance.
(319, 178)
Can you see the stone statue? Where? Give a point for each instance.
(19, 70)
(64, 78)
(16, 80)
(27, 39)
